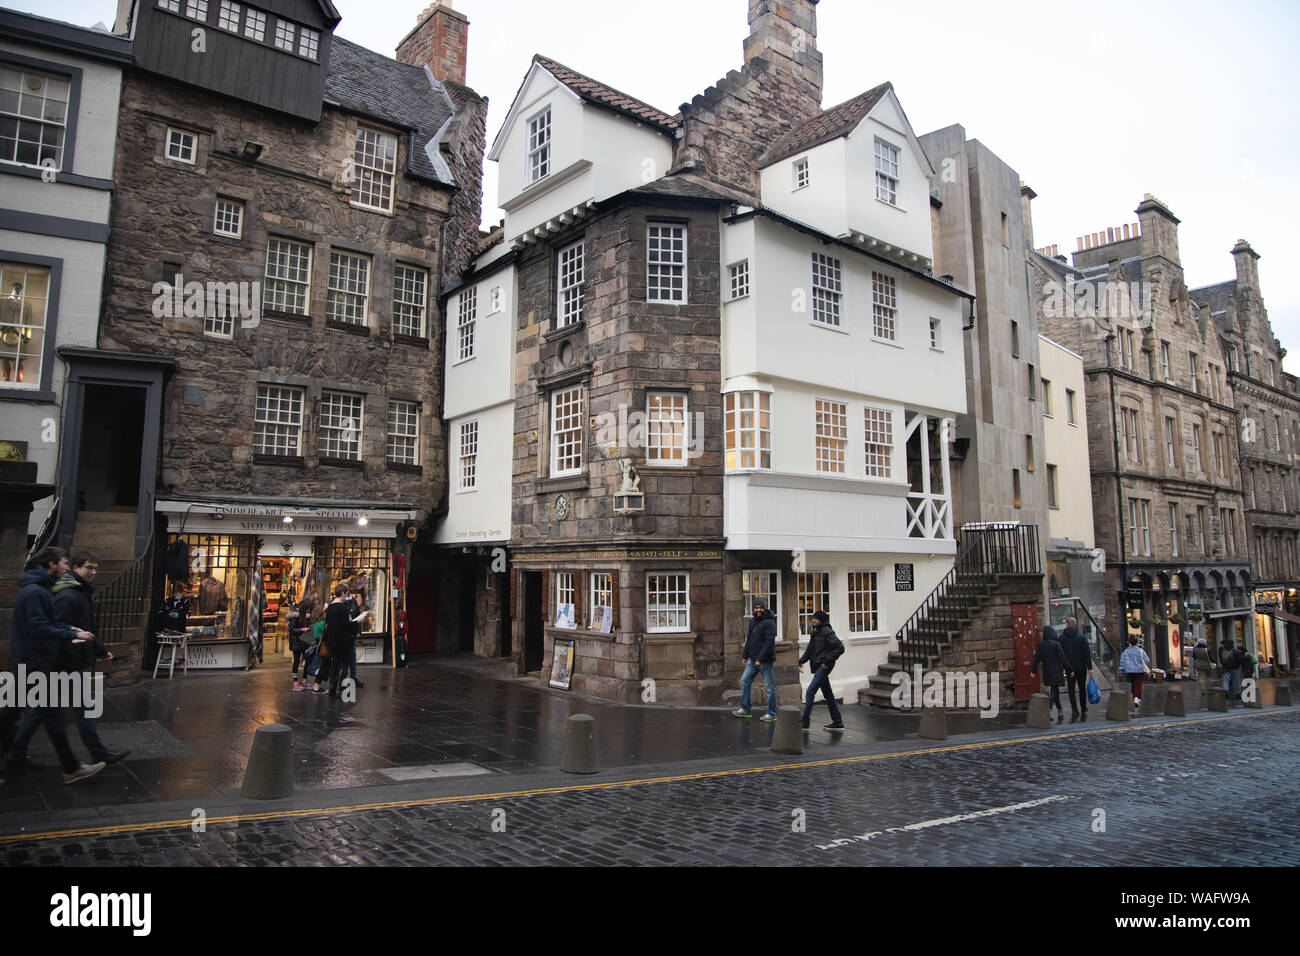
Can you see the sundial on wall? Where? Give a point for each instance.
(563, 507)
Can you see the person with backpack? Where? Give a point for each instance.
(1134, 665)
(1078, 655)
(759, 656)
(1230, 661)
(824, 649)
(1055, 665)
(1248, 662)
(1204, 667)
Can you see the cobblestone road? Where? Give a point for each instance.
(1160, 789)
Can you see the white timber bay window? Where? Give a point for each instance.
(832, 435)
(886, 172)
(340, 426)
(667, 603)
(348, 291)
(879, 424)
(566, 432)
(814, 594)
(572, 269)
(468, 456)
(374, 163)
(288, 277)
(467, 319)
(539, 146)
(801, 178)
(739, 279)
(666, 263)
(402, 445)
(666, 422)
(33, 117)
(827, 289)
(748, 421)
(277, 421)
(864, 603)
(410, 289)
(884, 307)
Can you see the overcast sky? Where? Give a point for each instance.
(1093, 105)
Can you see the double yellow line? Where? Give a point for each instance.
(591, 787)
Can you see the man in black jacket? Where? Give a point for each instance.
(41, 644)
(824, 649)
(1078, 657)
(759, 654)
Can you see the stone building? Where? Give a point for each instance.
(288, 206)
(1167, 504)
(680, 446)
(1268, 414)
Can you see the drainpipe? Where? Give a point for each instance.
(1119, 490)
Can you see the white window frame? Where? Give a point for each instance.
(1171, 442)
(26, 119)
(830, 430)
(467, 455)
(538, 161)
(887, 171)
(770, 594)
(285, 421)
(293, 281)
(600, 593)
(666, 263)
(936, 334)
(757, 407)
(1165, 365)
(496, 300)
(1052, 500)
(878, 424)
(219, 321)
(667, 436)
(678, 612)
(1196, 447)
(564, 588)
(566, 429)
(884, 307)
(827, 290)
(179, 142)
(802, 579)
(1046, 383)
(1173, 531)
(802, 178)
(410, 299)
(340, 413)
(374, 169)
(18, 346)
(738, 280)
(1071, 418)
(255, 25)
(235, 214)
(873, 593)
(466, 321)
(347, 288)
(402, 437)
(571, 270)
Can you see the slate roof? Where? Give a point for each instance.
(1061, 270)
(825, 126)
(687, 186)
(399, 94)
(599, 94)
(1215, 296)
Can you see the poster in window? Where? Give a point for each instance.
(565, 619)
(562, 665)
(604, 619)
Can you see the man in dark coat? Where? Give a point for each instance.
(824, 649)
(1052, 658)
(1078, 655)
(759, 655)
(42, 644)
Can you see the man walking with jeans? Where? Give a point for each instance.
(759, 655)
(1230, 661)
(824, 649)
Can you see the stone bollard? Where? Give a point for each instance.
(1175, 706)
(1282, 695)
(269, 774)
(1255, 698)
(580, 745)
(1040, 712)
(934, 723)
(1218, 700)
(787, 738)
(1119, 703)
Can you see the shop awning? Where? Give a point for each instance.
(1287, 616)
(1231, 612)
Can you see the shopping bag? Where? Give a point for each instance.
(1094, 692)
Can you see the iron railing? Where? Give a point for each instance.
(1106, 651)
(985, 551)
(122, 603)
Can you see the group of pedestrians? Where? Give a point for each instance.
(1065, 660)
(324, 643)
(54, 632)
(759, 657)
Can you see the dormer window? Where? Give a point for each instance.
(801, 173)
(374, 163)
(886, 172)
(539, 146)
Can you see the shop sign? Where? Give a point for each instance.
(1265, 607)
(1134, 596)
(904, 577)
(1194, 615)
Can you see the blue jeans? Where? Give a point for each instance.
(53, 719)
(1232, 683)
(33, 719)
(821, 681)
(769, 683)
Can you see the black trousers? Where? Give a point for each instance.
(1079, 678)
(1056, 698)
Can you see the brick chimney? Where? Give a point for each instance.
(784, 32)
(439, 41)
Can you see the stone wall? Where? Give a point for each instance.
(987, 645)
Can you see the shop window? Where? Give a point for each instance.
(24, 295)
(362, 565)
(668, 603)
(221, 585)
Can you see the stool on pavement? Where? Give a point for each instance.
(1217, 700)
(1119, 705)
(1040, 712)
(1175, 706)
(174, 642)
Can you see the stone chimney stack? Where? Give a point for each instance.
(1159, 230)
(784, 32)
(1027, 196)
(1247, 260)
(439, 41)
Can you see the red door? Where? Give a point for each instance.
(421, 614)
(1024, 632)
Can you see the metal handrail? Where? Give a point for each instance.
(989, 551)
(1113, 663)
(121, 603)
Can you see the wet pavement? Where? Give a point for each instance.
(190, 736)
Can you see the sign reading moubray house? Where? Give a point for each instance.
(242, 517)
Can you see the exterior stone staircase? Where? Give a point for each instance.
(122, 593)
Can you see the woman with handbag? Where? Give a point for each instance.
(1134, 665)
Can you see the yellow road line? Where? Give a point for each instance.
(607, 785)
